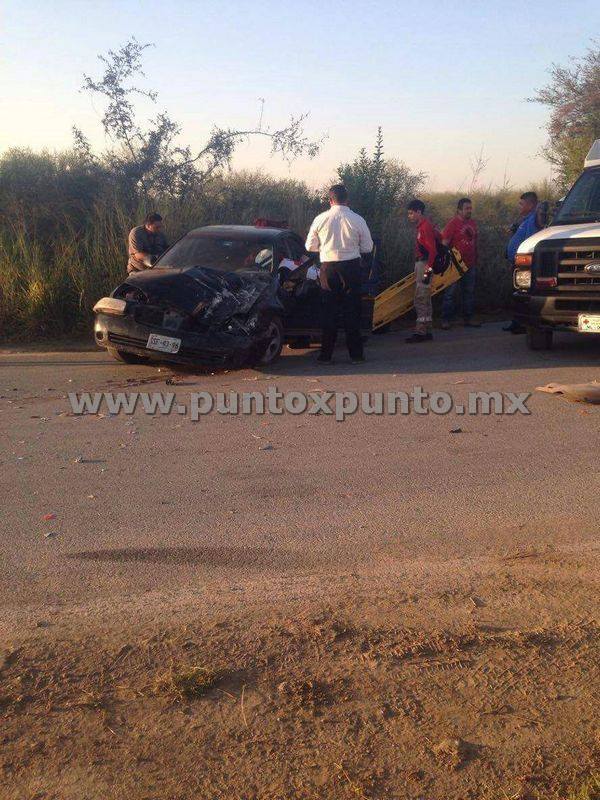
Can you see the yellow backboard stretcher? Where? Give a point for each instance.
(398, 299)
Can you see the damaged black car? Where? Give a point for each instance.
(222, 295)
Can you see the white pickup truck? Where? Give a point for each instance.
(557, 270)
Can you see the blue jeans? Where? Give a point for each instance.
(467, 287)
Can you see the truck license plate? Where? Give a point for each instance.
(166, 344)
(588, 323)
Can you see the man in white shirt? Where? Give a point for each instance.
(340, 236)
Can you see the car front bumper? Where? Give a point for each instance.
(205, 349)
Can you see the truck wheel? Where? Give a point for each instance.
(127, 358)
(539, 338)
(274, 342)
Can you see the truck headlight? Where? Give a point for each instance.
(522, 278)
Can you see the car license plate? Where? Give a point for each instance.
(166, 344)
(588, 323)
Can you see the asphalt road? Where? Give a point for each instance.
(158, 514)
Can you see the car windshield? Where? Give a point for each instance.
(582, 204)
(227, 255)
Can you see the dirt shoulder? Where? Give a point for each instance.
(384, 689)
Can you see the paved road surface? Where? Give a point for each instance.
(433, 584)
(164, 505)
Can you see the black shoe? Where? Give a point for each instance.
(358, 360)
(324, 359)
(417, 338)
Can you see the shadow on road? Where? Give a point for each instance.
(260, 558)
(488, 349)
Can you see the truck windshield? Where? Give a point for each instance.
(226, 255)
(582, 204)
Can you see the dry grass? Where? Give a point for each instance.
(307, 707)
(187, 683)
(589, 791)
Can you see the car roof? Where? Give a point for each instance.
(241, 232)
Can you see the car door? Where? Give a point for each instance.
(303, 318)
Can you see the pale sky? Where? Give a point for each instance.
(442, 79)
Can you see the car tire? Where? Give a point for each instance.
(127, 358)
(539, 338)
(274, 342)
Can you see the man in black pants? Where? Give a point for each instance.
(340, 236)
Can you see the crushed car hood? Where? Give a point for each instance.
(210, 294)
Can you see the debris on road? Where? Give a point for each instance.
(453, 753)
(48, 517)
(50, 534)
(456, 430)
(267, 447)
(575, 392)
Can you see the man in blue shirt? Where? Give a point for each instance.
(527, 225)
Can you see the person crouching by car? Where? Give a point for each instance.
(340, 236)
(461, 233)
(425, 254)
(146, 243)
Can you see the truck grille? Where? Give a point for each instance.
(572, 261)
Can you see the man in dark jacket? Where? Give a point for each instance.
(146, 243)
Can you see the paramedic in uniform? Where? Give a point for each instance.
(425, 253)
(340, 236)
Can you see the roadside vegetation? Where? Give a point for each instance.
(64, 217)
(63, 229)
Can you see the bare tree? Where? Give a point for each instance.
(150, 158)
(573, 95)
(478, 166)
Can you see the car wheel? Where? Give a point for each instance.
(127, 358)
(274, 342)
(539, 338)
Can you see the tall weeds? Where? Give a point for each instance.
(63, 235)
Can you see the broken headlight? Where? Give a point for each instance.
(130, 293)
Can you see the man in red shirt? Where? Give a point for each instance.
(425, 253)
(461, 233)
